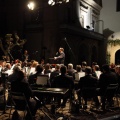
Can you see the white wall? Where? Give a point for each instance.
(109, 15)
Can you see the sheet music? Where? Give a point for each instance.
(79, 75)
(0, 69)
(32, 70)
(42, 80)
(9, 72)
(98, 73)
(12, 67)
(53, 69)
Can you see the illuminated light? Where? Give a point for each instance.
(50, 2)
(60, 2)
(67, 0)
(53, 2)
(31, 5)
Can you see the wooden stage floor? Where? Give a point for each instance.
(65, 114)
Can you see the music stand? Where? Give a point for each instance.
(51, 60)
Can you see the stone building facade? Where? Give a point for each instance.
(73, 26)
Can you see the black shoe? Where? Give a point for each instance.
(16, 116)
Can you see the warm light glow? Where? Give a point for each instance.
(60, 2)
(67, 0)
(49, 2)
(53, 2)
(31, 5)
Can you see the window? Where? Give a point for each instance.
(118, 5)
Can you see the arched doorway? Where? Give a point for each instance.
(117, 57)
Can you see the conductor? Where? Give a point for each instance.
(61, 57)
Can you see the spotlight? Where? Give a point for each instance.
(50, 2)
(31, 5)
(67, 1)
(53, 2)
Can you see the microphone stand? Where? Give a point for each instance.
(10, 55)
(70, 48)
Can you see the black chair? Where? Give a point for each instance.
(118, 97)
(88, 94)
(20, 103)
(85, 95)
(107, 98)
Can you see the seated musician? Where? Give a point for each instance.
(55, 72)
(84, 65)
(106, 78)
(63, 81)
(79, 73)
(33, 77)
(13, 76)
(70, 70)
(88, 81)
(25, 57)
(21, 86)
(47, 69)
(42, 63)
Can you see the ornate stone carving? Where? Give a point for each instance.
(9, 43)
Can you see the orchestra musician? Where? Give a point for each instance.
(25, 56)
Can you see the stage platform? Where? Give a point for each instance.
(65, 114)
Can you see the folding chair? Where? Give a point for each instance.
(85, 95)
(118, 97)
(20, 103)
(88, 93)
(110, 92)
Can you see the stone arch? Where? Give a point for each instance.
(111, 53)
(117, 57)
(113, 48)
